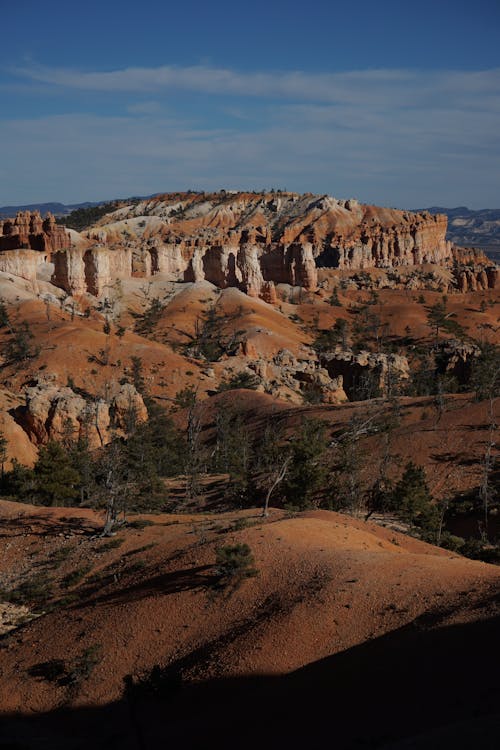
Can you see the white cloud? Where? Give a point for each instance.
(145, 108)
(402, 87)
(388, 136)
(81, 157)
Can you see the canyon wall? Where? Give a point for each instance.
(29, 231)
(248, 240)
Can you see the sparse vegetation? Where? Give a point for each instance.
(35, 591)
(83, 218)
(234, 563)
(75, 577)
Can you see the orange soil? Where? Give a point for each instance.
(326, 582)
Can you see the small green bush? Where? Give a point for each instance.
(75, 577)
(234, 563)
(113, 543)
(36, 591)
(241, 380)
(140, 523)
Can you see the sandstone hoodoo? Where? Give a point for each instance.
(248, 240)
(29, 231)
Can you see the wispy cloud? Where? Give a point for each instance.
(145, 108)
(408, 87)
(388, 136)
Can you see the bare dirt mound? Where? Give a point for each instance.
(149, 598)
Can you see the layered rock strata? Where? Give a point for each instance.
(336, 377)
(248, 240)
(28, 231)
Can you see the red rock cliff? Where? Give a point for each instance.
(29, 231)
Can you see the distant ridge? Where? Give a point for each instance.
(63, 209)
(468, 228)
(58, 209)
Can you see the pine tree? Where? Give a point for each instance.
(19, 347)
(412, 499)
(308, 469)
(57, 481)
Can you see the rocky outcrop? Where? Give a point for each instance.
(294, 379)
(23, 263)
(366, 374)
(246, 240)
(253, 240)
(475, 278)
(456, 358)
(79, 270)
(28, 231)
(52, 412)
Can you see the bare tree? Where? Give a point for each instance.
(274, 478)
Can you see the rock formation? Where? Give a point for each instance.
(456, 358)
(296, 379)
(23, 263)
(248, 240)
(28, 231)
(365, 374)
(51, 412)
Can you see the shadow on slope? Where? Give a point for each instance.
(412, 688)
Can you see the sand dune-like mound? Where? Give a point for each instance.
(324, 584)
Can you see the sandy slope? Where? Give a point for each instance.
(326, 583)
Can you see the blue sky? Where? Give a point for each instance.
(391, 102)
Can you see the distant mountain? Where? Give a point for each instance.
(469, 228)
(58, 209)
(62, 209)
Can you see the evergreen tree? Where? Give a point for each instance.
(57, 481)
(3, 453)
(233, 454)
(4, 315)
(486, 372)
(348, 490)
(412, 499)
(439, 318)
(308, 469)
(19, 482)
(19, 347)
(138, 375)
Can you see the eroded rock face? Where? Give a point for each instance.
(247, 240)
(294, 379)
(365, 374)
(456, 358)
(52, 412)
(252, 240)
(23, 263)
(475, 278)
(30, 232)
(79, 270)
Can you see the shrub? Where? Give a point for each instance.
(77, 575)
(241, 380)
(234, 563)
(111, 544)
(84, 665)
(35, 591)
(140, 523)
(60, 555)
(412, 500)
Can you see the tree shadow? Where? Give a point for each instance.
(463, 459)
(188, 579)
(40, 525)
(419, 686)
